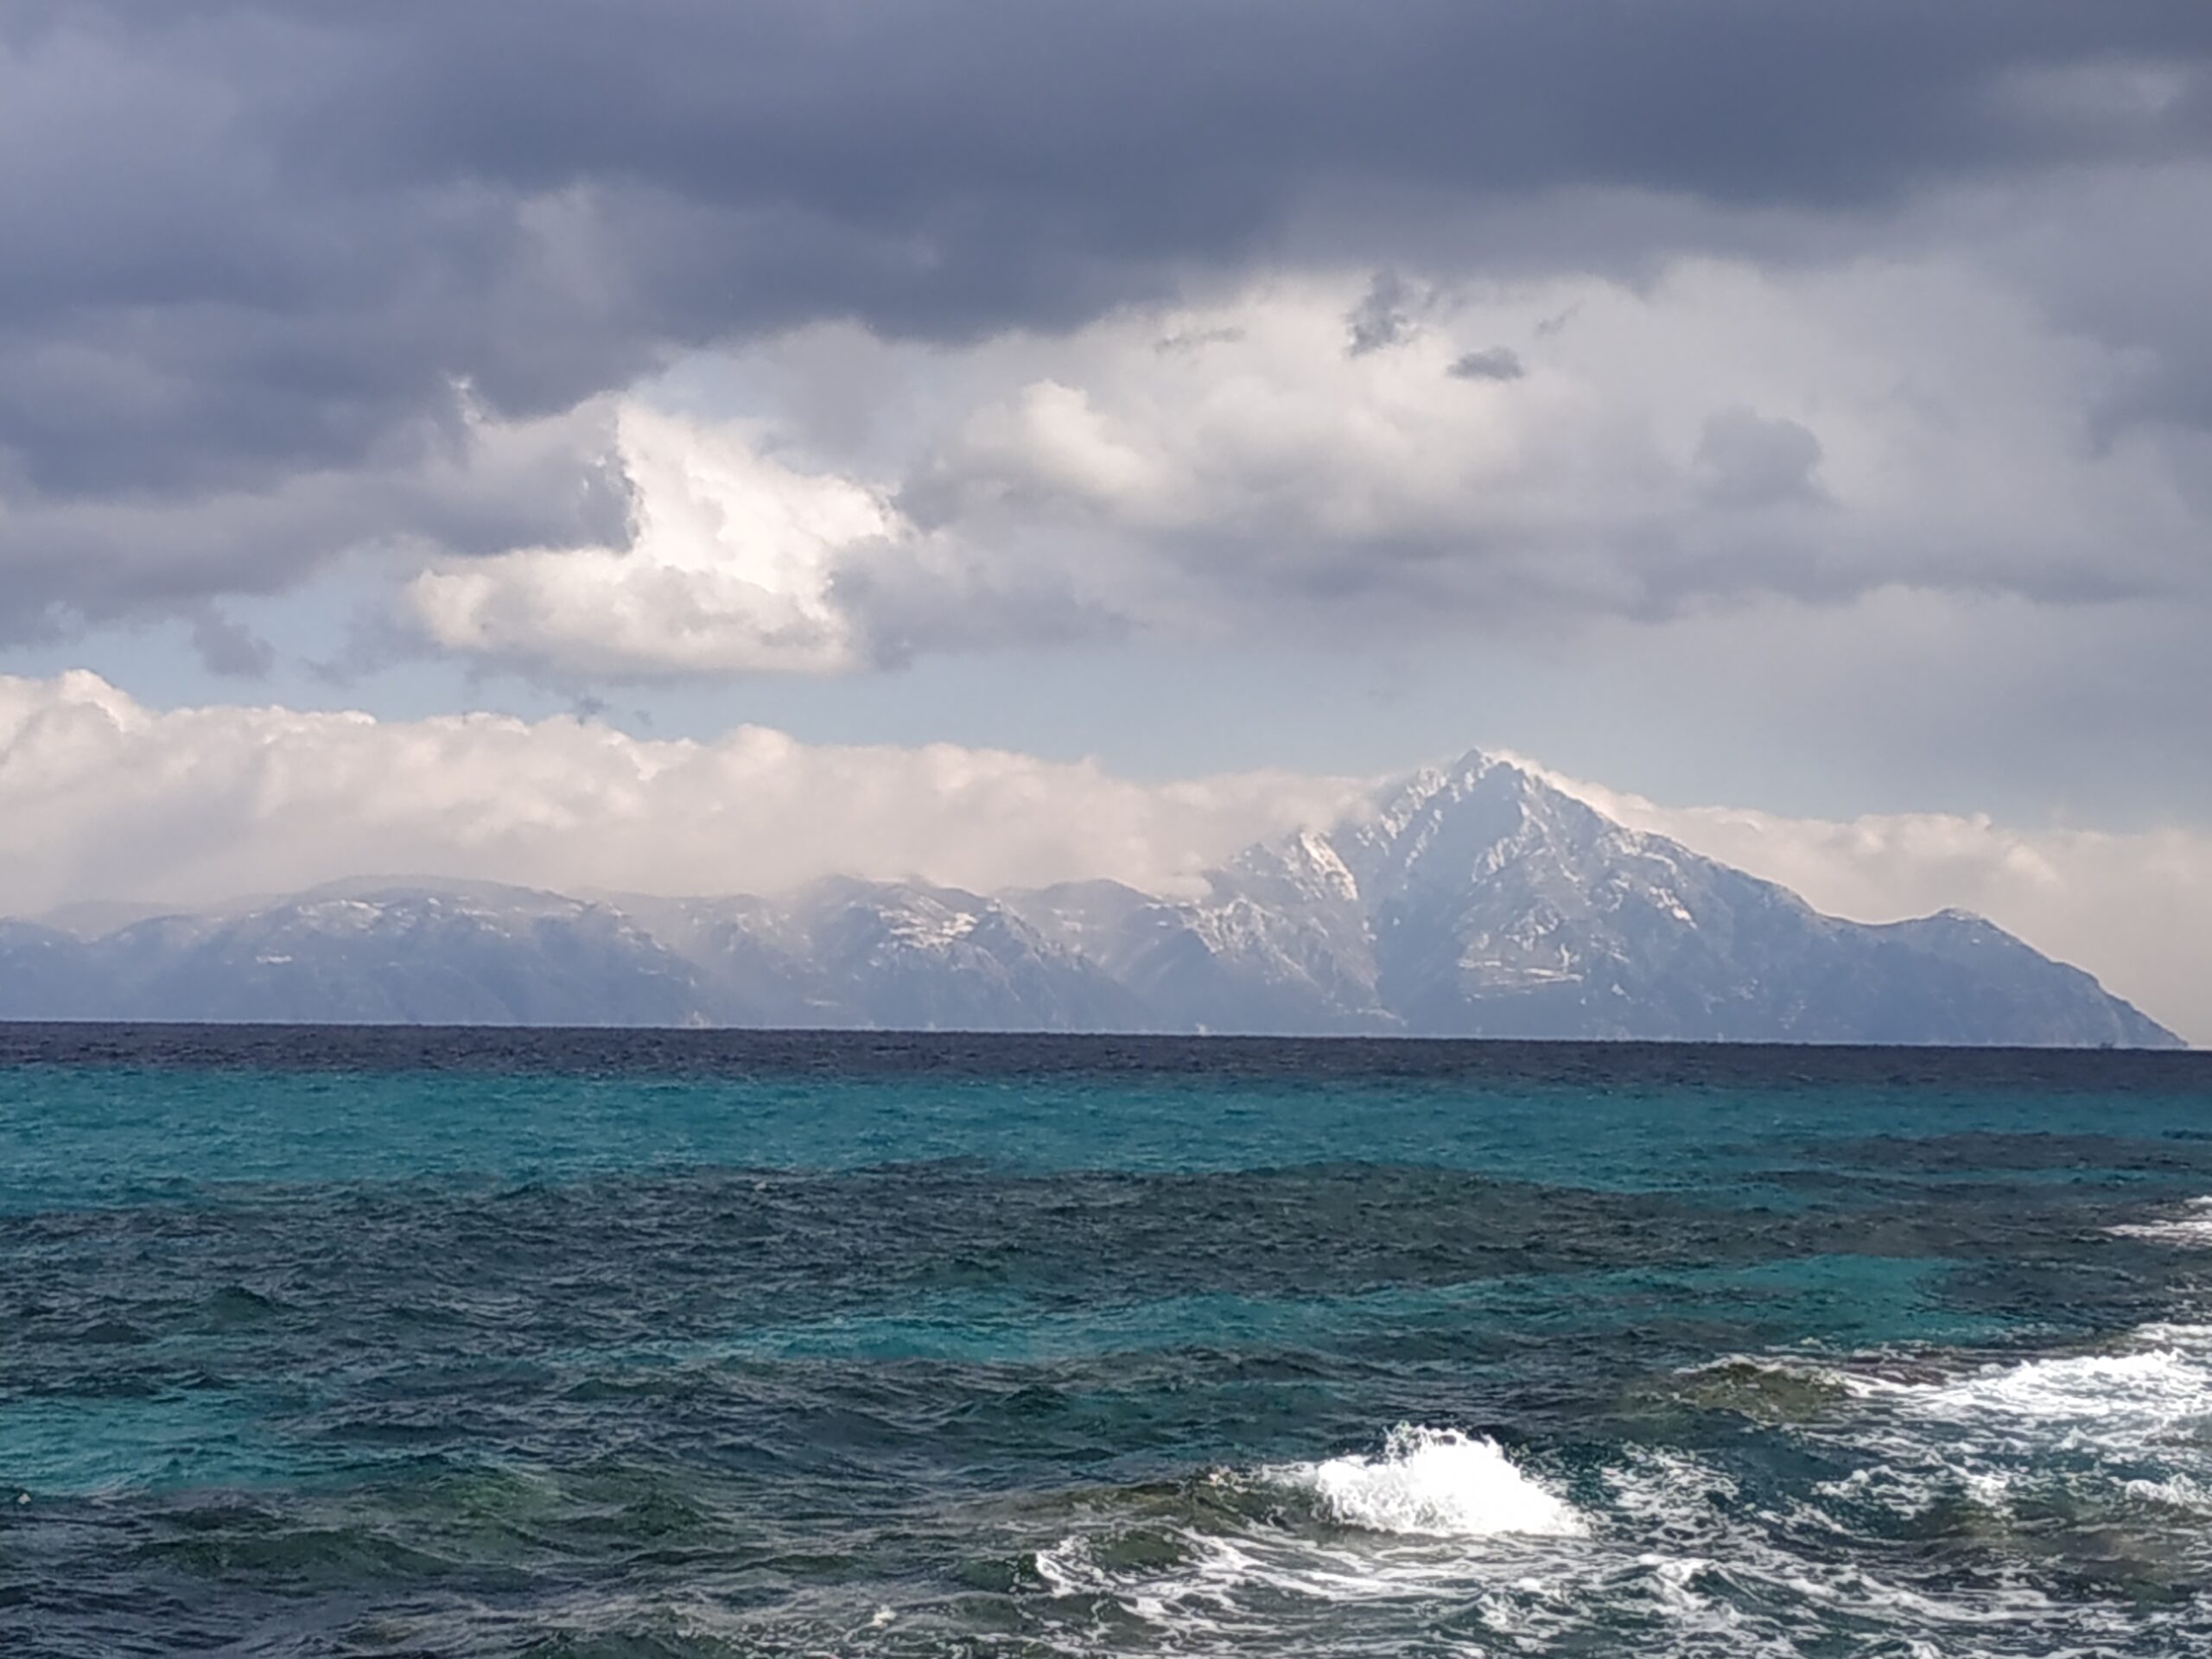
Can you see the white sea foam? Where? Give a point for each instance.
(2155, 1385)
(2192, 1227)
(2111, 1431)
(2174, 1492)
(1228, 1582)
(1437, 1513)
(2158, 1388)
(1670, 1551)
(1434, 1483)
(1667, 1542)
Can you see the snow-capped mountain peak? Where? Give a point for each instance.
(1470, 900)
(1479, 898)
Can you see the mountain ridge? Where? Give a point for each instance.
(1472, 900)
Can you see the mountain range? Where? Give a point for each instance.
(1471, 900)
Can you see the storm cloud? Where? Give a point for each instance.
(282, 281)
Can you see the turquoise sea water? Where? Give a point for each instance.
(361, 1342)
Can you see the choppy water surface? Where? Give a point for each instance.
(398, 1343)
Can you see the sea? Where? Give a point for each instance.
(403, 1342)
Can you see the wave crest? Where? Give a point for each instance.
(1434, 1483)
(2192, 1227)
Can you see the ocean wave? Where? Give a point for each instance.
(2154, 1387)
(1665, 1549)
(2097, 1453)
(1433, 1483)
(1437, 1513)
(2192, 1227)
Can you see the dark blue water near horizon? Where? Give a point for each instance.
(367, 1341)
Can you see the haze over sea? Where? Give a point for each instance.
(382, 1342)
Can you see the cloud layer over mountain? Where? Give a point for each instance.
(103, 799)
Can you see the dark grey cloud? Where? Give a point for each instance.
(1383, 317)
(1750, 459)
(1492, 363)
(227, 647)
(262, 253)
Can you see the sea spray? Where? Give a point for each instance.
(1436, 1482)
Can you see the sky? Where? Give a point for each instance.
(706, 442)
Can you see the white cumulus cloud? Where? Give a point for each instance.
(731, 569)
(1271, 461)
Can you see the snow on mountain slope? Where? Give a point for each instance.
(1476, 899)
(1472, 900)
(922, 958)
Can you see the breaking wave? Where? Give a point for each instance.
(2157, 1387)
(1293, 1553)
(2191, 1227)
(1435, 1482)
(2084, 1469)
